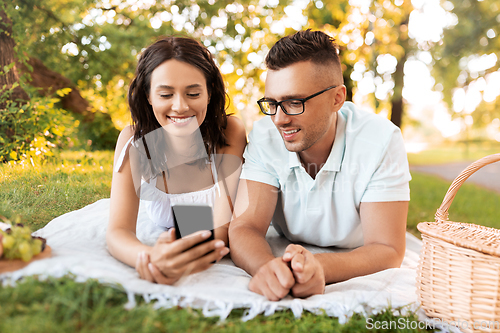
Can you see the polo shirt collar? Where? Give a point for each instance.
(334, 161)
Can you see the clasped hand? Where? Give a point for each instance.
(172, 258)
(298, 272)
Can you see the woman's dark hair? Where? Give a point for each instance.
(306, 45)
(192, 52)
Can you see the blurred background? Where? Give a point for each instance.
(429, 66)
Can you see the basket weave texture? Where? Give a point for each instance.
(458, 276)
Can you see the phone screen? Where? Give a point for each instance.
(189, 219)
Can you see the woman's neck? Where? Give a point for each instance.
(185, 149)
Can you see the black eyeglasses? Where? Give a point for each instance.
(292, 107)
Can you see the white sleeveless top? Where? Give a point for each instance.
(158, 205)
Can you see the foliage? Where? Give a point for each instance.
(466, 64)
(93, 34)
(33, 129)
(471, 33)
(63, 305)
(111, 99)
(96, 43)
(369, 33)
(100, 132)
(238, 33)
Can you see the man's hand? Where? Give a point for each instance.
(273, 280)
(307, 271)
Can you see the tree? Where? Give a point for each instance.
(10, 77)
(49, 81)
(466, 67)
(368, 34)
(95, 43)
(96, 126)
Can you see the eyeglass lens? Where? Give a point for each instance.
(292, 106)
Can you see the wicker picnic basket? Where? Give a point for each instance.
(458, 277)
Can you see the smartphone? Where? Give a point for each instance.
(192, 218)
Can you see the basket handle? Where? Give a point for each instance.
(442, 212)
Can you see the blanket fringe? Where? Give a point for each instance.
(222, 309)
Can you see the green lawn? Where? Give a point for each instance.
(454, 152)
(62, 305)
(37, 193)
(471, 204)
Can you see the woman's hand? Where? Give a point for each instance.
(148, 271)
(1, 246)
(170, 259)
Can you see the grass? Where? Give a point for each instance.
(454, 152)
(39, 192)
(63, 305)
(471, 204)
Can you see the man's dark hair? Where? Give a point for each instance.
(307, 45)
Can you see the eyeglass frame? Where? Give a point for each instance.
(280, 104)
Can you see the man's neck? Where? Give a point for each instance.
(316, 156)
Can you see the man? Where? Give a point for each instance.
(342, 175)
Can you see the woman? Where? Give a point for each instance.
(177, 101)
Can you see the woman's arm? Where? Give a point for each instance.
(174, 258)
(229, 161)
(121, 237)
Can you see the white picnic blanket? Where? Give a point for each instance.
(79, 247)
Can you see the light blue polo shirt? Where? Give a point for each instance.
(367, 163)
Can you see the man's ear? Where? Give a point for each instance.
(340, 95)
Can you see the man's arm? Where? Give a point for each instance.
(384, 233)
(254, 209)
(384, 230)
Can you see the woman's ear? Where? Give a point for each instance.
(149, 99)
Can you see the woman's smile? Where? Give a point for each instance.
(180, 121)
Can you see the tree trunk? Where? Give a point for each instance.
(349, 84)
(398, 76)
(7, 57)
(397, 111)
(397, 97)
(49, 82)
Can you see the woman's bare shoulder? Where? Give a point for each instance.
(236, 139)
(235, 133)
(124, 136)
